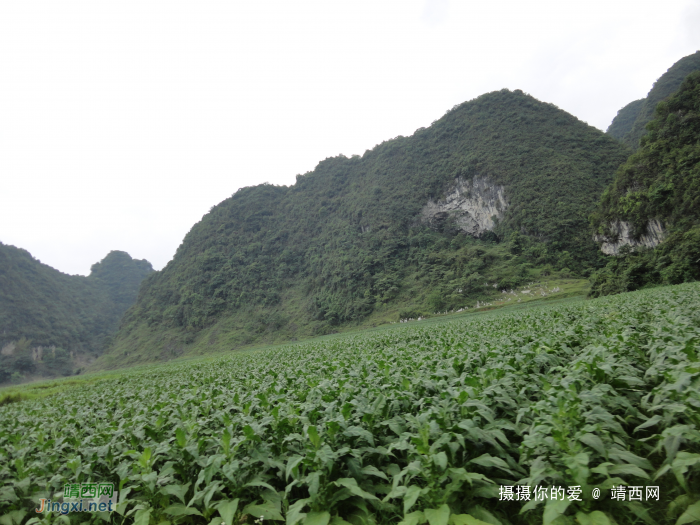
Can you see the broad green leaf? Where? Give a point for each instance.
(595, 443)
(480, 513)
(180, 437)
(14, 517)
(629, 457)
(259, 483)
(313, 481)
(142, 517)
(661, 471)
(18, 515)
(371, 470)
(487, 460)
(465, 519)
(410, 498)
(396, 492)
(686, 459)
(317, 518)
(678, 505)
(313, 437)
(227, 510)
(414, 518)
(226, 441)
(640, 511)
(7, 494)
(266, 510)
(250, 433)
(486, 491)
(691, 514)
(438, 516)
(337, 520)
(360, 432)
(553, 509)
(293, 462)
(440, 460)
(145, 457)
(181, 510)
(339, 495)
(649, 422)
(627, 470)
(460, 473)
(295, 512)
(136, 508)
(594, 518)
(178, 491)
(672, 442)
(680, 466)
(351, 485)
(209, 492)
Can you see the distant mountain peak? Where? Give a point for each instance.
(52, 323)
(630, 123)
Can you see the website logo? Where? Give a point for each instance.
(82, 497)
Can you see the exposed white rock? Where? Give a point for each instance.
(622, 236)
(472, 203)
(38, 352)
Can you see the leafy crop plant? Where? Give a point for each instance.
(440, 424)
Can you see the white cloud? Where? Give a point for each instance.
(435, 11)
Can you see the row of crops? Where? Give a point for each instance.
(453, 423)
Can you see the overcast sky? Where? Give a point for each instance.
(123, 122)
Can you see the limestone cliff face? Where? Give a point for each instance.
(622, 236)
(38, 352)
(472, 203)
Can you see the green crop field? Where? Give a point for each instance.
(584, 412)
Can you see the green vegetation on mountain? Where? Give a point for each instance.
(50, 321)
(623, 122)
(659, 182)
(121, 277)
(631, 132)
(346, 241)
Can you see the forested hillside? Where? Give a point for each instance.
(658, 185)
(353, 237)
(624, 120)
(630, 123)
(51, 322)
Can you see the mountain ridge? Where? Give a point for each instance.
(650, 214)
(346, 239)
(630, 123)
(51, 322)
